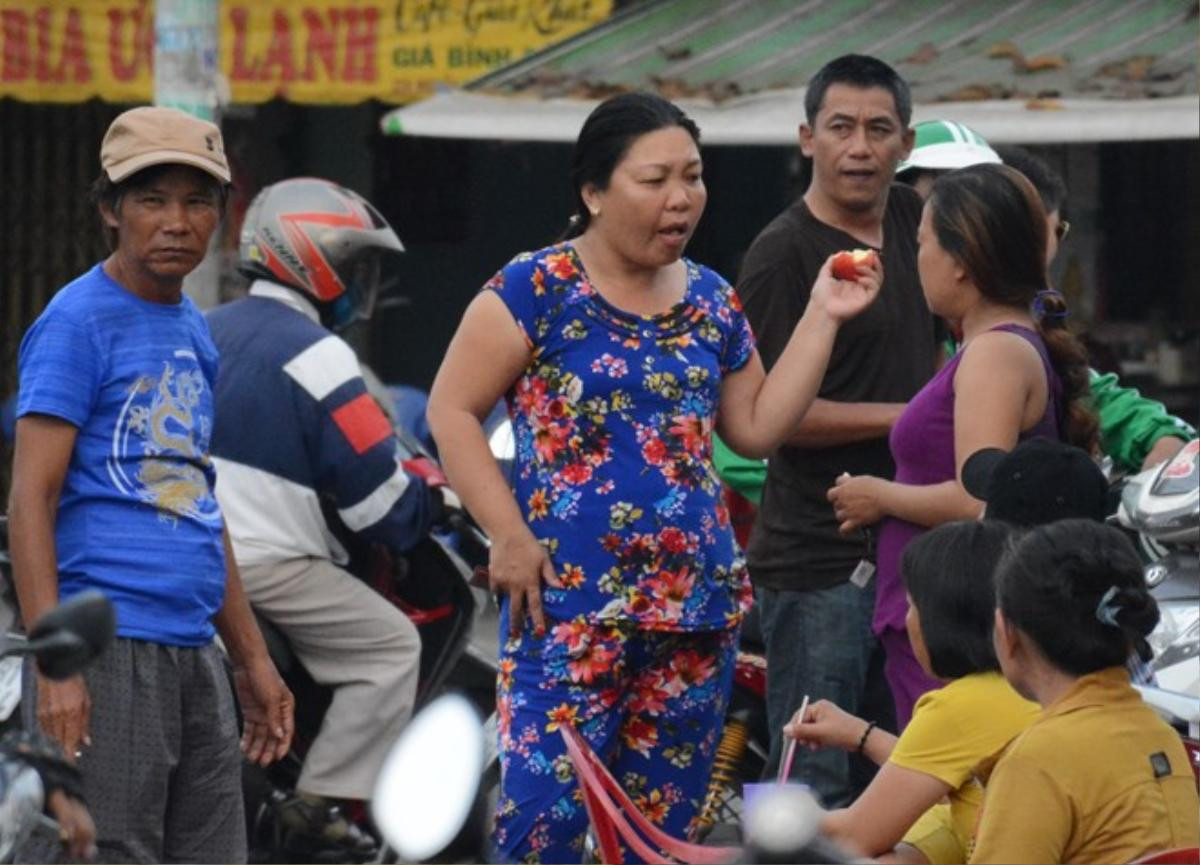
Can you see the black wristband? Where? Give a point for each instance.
(862, 743)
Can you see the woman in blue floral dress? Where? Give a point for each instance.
(622, 584)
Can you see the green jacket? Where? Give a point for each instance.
(1130, 425)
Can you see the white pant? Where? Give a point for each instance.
(349, 638)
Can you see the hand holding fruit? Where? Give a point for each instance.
(846, 264)
(843, 297)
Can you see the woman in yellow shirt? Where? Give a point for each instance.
(922, 804)
(1099, 777)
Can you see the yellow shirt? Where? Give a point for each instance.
(951, 731)
(1098, 778)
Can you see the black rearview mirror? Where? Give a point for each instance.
(68, 637)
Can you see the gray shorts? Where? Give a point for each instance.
(163, 774)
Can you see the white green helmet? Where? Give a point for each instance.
(943, 144)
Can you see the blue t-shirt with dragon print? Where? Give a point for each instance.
(613, 423)
(137, 518)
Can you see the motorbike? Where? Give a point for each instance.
(429, 583)
(1162, 505)
(62, 642)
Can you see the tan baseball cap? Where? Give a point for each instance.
(156, 135)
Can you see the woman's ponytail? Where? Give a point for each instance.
(1078, 422)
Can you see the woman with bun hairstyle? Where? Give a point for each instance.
(1020, 374)
(1099, 777)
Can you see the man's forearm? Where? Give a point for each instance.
(830, 423)
(34, 559)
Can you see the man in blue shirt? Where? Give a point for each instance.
(113, 490)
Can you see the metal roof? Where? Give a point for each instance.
(948, 50)
(1024, 70)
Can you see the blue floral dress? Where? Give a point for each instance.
(613, 423)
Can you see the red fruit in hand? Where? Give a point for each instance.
(846, 264)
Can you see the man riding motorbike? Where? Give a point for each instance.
(304, 453)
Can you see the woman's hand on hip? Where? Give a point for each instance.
(517, 567)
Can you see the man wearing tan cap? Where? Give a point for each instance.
(113, 490)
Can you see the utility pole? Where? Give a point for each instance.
(186, 76)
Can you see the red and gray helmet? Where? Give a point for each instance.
(321, 239)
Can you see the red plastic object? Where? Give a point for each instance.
(421, 616)
(1192, 747)
(1177, 856)
(742, 512)
(750, 672)
(427, 470)
(610, 810)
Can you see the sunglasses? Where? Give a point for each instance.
(1061, 230)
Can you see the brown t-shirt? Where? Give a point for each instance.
(886, 354)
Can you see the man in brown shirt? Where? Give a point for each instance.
(816, 598)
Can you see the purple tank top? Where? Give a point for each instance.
(922, 444)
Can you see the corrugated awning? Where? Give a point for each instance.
(772, 118)
(1033, 71)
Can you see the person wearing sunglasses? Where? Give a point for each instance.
(1136, 432)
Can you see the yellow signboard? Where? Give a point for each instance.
(314, 51)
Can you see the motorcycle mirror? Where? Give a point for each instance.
(427, 793)
(67, 638)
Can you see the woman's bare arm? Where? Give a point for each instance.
(487, 354)
(759, 411)
(876, 821)
(998, 392)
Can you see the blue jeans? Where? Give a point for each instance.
(820, 643)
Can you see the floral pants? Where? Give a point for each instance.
(650, 703)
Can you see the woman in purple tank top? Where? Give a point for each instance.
(1020, 373)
